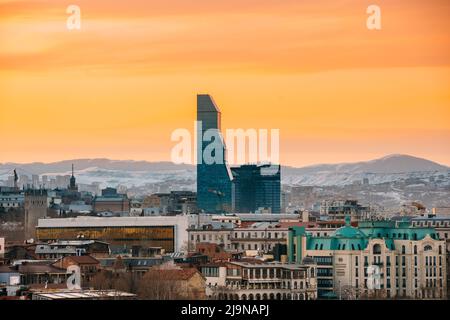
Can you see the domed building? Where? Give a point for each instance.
(382, 259)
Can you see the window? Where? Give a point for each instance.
(403, 249)
(377, 249)
(427, 248)
(415, 249)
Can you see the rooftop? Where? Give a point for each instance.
(82, 294)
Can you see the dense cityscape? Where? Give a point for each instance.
(240, 235)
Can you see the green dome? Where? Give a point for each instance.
(348, 232)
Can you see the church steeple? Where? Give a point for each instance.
(73, 186)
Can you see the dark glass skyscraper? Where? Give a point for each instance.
(256, 187)
(213, 180)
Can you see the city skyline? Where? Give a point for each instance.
(337, 91)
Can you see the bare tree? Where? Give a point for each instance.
(156, 285)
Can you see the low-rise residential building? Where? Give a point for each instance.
(87, 264)
(63, 248)
(251, 279)
(259, 236)
(337, 209)
(11, 200)
(212, 232)
(138, 265)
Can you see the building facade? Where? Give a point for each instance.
(167, 232)
(257, 280)
(256, 187)
(379, 259)
(35, 204)
(213, 179)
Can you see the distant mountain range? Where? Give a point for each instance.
(138, 173)
(388, 168)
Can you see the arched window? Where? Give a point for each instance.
(440, 249)
(403, 249)
(415, 249)
(427, 248)
(377, 249)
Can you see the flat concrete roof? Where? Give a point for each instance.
(113, 221)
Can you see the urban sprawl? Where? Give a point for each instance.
(232, 239)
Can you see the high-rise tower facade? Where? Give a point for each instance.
(256, 187)
(213, 179)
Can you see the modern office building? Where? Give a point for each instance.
(256, 187)
(379, 259)
(213, 179)
(167, 232)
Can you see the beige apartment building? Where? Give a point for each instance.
(379, 259)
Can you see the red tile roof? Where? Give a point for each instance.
(39, 268)
(83, 259)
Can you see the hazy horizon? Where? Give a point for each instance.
(168, 161)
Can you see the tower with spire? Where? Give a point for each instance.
(73, 186)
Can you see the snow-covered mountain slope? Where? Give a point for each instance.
(139, 173)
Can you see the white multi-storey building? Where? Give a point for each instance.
(258, 280)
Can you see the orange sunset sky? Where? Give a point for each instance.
(118, 87)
